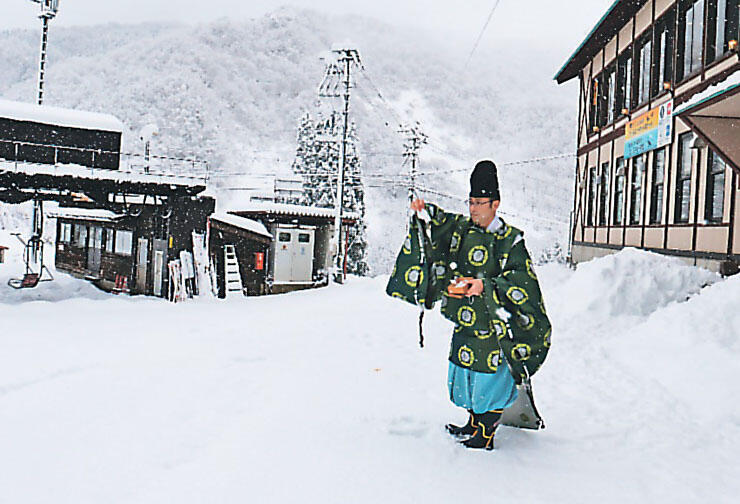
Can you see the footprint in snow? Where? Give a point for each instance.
(407, 426)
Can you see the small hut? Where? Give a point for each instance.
(250, 241)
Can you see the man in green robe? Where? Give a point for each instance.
(502, 333)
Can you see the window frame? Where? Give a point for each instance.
(714, 171)
(637, 189)
(683, 179)
(684, 7)
(643, 86)
(731, 27)
(657, 197)
(619, 179)
(663, 67)
(625, 75)
(604, 186)
(120, 240)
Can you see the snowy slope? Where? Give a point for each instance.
(233, 93)
(324, 396)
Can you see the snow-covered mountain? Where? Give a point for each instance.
(232, 93)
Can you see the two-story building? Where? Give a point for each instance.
(658, 141)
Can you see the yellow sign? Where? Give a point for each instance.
(644, 123)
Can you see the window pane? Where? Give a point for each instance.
(656, 203)
(716, 189)
(124, 242)
(604, 194)
(284, 237)
(109, 240)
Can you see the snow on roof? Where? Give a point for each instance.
(84, 172)
(92, 214)
(298, 210)
(242, 223)
(731, 82)
(20, 111)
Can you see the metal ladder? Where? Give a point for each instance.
(231, 272)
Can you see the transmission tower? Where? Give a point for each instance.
(49, 9)
(337, 83)
(413, 140)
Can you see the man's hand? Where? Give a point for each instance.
(418, 205)
(475, 288)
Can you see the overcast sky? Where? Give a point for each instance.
(560, 24)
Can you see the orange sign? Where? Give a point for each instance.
(259, 261)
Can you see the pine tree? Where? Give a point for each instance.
(317, 161)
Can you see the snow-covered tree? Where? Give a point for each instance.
(317, 161)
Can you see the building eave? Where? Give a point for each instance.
(607, 27)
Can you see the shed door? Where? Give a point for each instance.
(159, 247)
(94, 250)
(283, 255)
(302, 269)
(142, 260)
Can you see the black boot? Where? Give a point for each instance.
(485, 428)
(466, 430)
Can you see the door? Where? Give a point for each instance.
(159, 247)
(283, 255)
(302, 267)
(142, 262)
(94, 250)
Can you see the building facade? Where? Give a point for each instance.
(659, 132)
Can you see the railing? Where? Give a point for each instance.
(20, 155)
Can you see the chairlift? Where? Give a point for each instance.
(31, 278)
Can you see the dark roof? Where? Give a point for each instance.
(614, 20)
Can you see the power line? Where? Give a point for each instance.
(475, 46)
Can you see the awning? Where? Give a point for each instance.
(714, 116)
(87, 214)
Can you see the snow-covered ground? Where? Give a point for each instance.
(324, 396)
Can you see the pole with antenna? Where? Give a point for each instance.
(337, 83)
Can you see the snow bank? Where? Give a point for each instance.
(632, 282)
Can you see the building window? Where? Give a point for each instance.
(690, 37)
(722, 27)
(683, 184)
(124, 242)
(591, 196)
(65, 233)
(595, 100)
(609, 105)
(624, 81)
(644, 63)
(656, 195)
(638, 175)
(715, 207)
(80, 235)
(604, 193)
(284, 237)
(109, 240)
(663, 53)
(619, 192)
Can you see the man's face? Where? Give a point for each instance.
(482, 211)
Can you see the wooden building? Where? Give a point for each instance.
(127, 252)
(251, 242)
(300, 254)
(659, 132)
(48, 135)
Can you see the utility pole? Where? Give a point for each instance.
(414, 139)
(337, 83)
(49, 9)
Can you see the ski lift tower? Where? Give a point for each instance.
(337, 83)
(49, 9)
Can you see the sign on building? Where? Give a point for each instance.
(649, 131)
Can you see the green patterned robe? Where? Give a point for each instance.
(508, 323)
